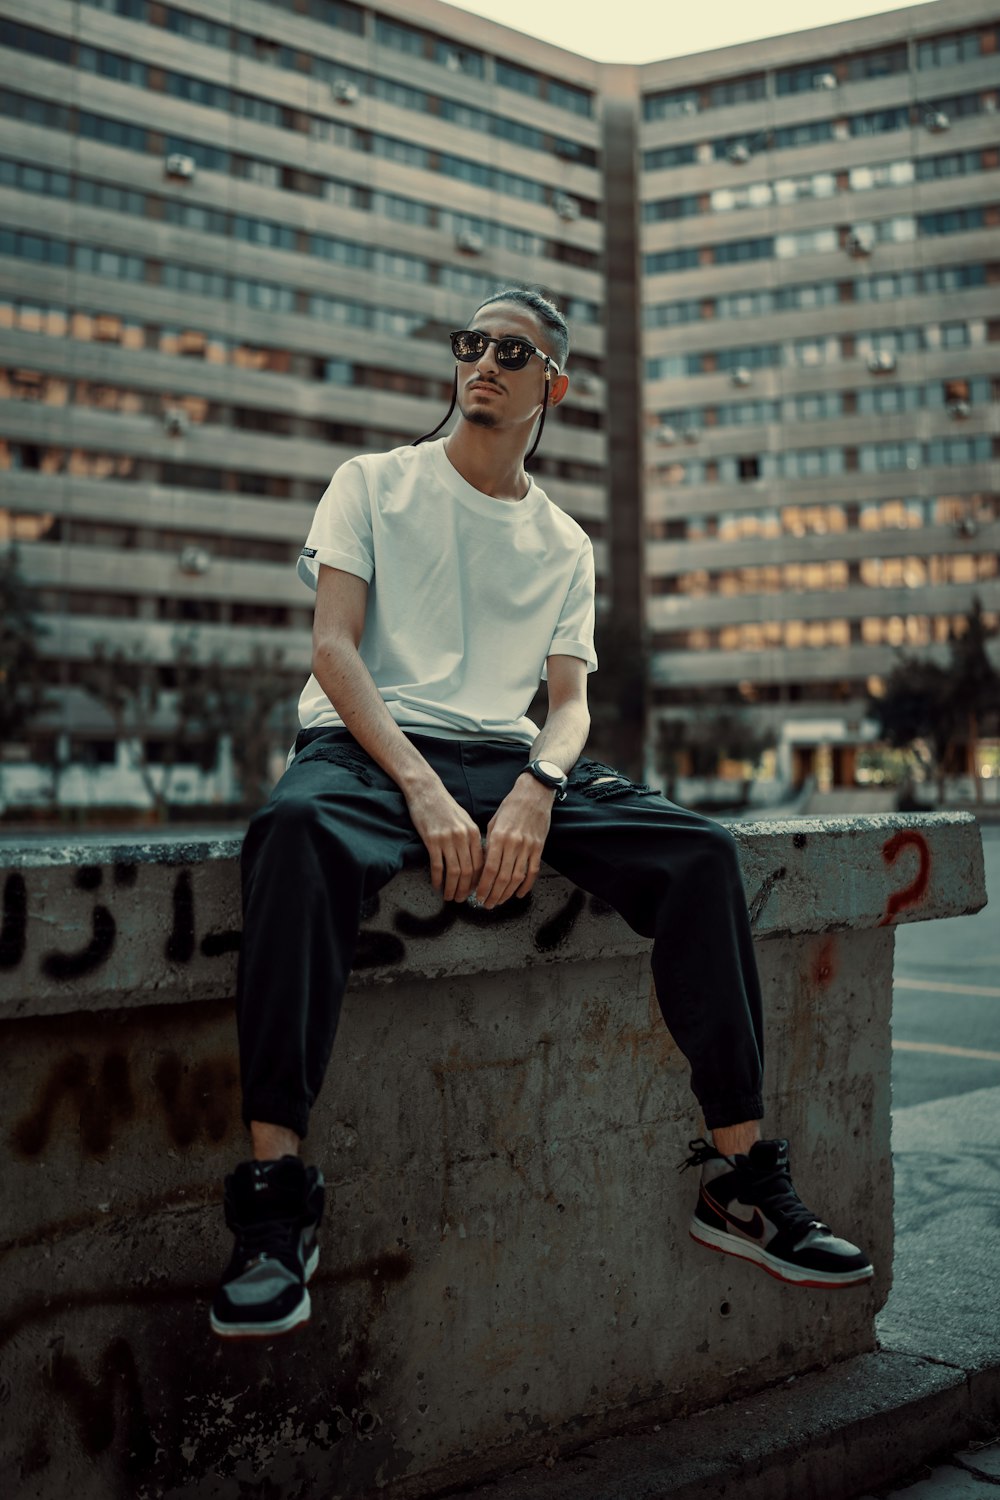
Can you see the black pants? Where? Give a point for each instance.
(337, 828)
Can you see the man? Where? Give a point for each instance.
(447, 585)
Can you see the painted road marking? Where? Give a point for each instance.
(948, 989)
(973, 1052)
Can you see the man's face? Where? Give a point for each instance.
(489, 396)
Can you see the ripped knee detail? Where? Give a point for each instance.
(348, 756)
(593, 779)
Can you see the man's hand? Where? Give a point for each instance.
(450, 836)
(515, 837)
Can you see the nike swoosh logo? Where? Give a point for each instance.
(752, 1227)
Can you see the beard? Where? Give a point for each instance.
(480, 417)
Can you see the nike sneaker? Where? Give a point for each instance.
(747, 1207)
(274, 1209)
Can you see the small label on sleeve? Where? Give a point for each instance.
(308, 551)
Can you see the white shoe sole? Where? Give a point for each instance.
(717, 1239)
(298, 1315)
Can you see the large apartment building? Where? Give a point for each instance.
(235, 235)
(821, 342)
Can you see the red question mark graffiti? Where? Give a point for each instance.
(911, 893)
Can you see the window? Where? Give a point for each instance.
(951, 221)
(670, 104)
(670, 314)
(957, 47)
(40, 43)
(667, 156)
(805, 242)
(731, 252)
(670, 208)
(880, 121)
(510, 76)
(880, 64)
(670, 260)
(748, 468)
(882, 175)
(789, 136)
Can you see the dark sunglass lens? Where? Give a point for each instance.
(513, 354)
(467, 345)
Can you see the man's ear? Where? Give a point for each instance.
(558, 389)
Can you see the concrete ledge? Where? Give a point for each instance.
(69, 944)
(506, 1267)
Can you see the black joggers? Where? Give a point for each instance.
(337, 828)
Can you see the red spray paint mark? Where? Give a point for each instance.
(824, 964)
(913, 892)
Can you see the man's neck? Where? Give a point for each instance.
(490, 461)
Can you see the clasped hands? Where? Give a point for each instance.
(505, 863)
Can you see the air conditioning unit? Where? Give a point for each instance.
(690, 434)
(741, 376)
(860, 242)
(175, 421)
(689, 107)
(469, 241)
(936, 120)
(966, 527)
(882, 362)
(566, 207)
(959, 410)
(194, 560)
(344, 92)
(739, 154)
(665, 436)
(825, 81)
(177, 165)
(453, 62)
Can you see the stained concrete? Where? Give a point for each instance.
(506, 1268)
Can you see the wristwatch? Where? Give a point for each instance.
(549, 774)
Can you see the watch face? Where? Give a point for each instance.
(551, 769)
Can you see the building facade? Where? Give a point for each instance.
(235, 235)
(820, 227)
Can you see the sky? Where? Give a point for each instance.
(637, 31)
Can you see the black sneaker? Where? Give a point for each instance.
(274, 1209)
(748, 1207)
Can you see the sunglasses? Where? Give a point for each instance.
(468, 344)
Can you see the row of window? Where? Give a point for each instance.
(115, 132)
(826, 349)
(830, 576)
(829, 462)
(857, 179)
(271, 296)
(881, 286)
(812, 406)
(766, 635)
(933, 114)
(193, 343)
(857, 240)
(963, 513)
(410, 40)
(943, 51)
(463, 228)
(86, 463)
(178, 412)
(268, 232)
(212, 95)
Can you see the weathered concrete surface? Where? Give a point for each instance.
(506, 1264)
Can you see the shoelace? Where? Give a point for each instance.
(272, 1239)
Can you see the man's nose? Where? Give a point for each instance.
(487, 363)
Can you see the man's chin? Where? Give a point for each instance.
(480, 416)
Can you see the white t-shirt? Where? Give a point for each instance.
(467, 594)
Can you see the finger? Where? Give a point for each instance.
(528, 882)
(437, 867)
(452, 873)
(504, 876)
(464, 859)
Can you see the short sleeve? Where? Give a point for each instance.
(341, 532)
(574, 634)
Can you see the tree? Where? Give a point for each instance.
(715, 732)
(23, 694)
(931, 709)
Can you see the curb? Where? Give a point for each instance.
(866, 1422)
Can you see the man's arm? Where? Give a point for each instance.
(516, 834)
(450, 835)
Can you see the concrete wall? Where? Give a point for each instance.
(506, 1267)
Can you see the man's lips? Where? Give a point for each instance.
(484, 385)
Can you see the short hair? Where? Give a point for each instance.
(545, 311)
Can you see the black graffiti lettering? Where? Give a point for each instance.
(65, 966)
(114, 1400)
(14, 933)
(215, 944)
(98, 1100)
(377, 948)
(180, 943)
(126, 874)
(553, 933)
(198, 1101)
